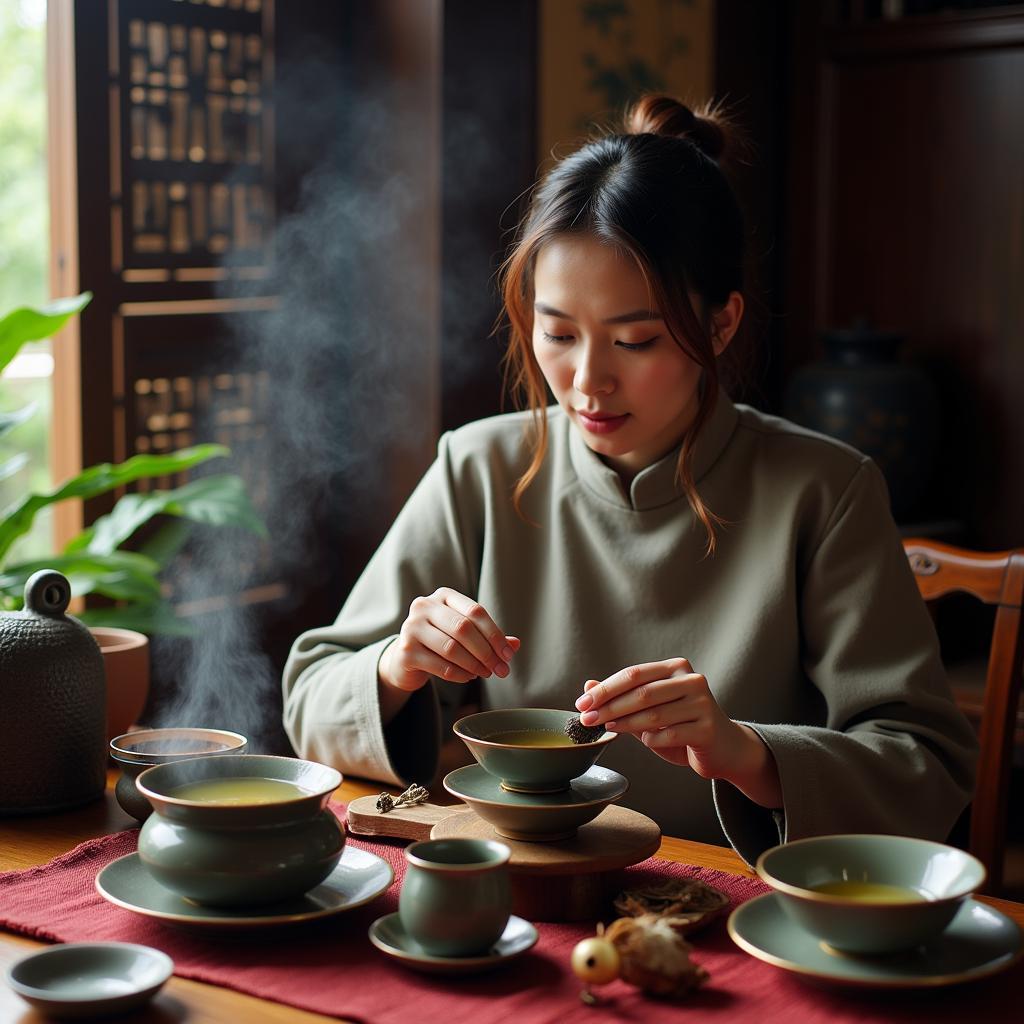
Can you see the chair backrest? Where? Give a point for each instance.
(996, 578)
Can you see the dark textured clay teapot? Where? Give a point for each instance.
(53, 744)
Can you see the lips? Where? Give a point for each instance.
(601, 422)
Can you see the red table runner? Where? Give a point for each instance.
(329, 967)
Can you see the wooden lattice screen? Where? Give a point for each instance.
(182, 135)
(174, 124)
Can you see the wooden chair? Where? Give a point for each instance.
(996, 578)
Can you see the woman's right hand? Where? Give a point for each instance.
(447, 635)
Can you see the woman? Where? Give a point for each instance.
(725, 588)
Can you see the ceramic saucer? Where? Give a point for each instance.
(90, 979)
(536, 817)
(979, 941)
(388, 935)
(358, 878)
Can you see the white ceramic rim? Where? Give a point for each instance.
(813, 896)
(158, 957)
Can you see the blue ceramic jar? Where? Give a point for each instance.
(862, 394)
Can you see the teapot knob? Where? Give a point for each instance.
(47, 592)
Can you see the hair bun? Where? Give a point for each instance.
(663, 115)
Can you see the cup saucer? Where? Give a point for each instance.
(390, 937)
(536, 817)
(357, 879)
(978, 942)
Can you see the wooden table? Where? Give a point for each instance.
(25, 842)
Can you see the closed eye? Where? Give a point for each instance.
(638, 346)
(556, 338)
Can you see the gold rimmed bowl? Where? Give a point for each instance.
(527, 750)
(870, 893)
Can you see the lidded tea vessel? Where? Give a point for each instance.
(53, 704)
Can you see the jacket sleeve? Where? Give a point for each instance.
(331, 707)
(895, 754)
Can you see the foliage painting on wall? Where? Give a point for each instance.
(621, 69)
(596, 56)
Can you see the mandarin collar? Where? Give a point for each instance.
(656, 485)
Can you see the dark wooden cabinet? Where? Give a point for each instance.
(900, 147)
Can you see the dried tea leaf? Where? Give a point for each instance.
(688, 902)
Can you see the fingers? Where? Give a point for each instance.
(447, 649)
(468, 623)
(448, 635)
(432, 664)
(643, 684)
(660, 717)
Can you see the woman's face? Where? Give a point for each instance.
(607, 355)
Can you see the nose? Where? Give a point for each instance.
(592, 376)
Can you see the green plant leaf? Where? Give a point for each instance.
(28, 324)
(123, 576)
(10, 420)
(156, 619)
(214, 500)
(99, 480)
(166, 542)
(12, 465)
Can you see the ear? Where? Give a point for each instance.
(726, 321)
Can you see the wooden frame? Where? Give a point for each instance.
(995, 578)
(62, 167)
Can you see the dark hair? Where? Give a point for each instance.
(655, 191)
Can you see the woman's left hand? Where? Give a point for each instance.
(671, 709)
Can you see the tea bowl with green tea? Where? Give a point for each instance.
(527, 749)
(239, 830)
(134, 752)
(870, 894)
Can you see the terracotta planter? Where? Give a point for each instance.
(126, 663)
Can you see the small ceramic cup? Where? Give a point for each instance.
(134, 752)
(455, 900)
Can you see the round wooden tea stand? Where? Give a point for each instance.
(573, 879)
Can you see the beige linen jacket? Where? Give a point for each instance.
(806, 622)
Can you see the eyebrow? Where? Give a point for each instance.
(637, 316)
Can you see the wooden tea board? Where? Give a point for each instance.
(573, 879)
(402, 823)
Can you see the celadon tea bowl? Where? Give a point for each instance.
(241, 853)
(870, 893)
(494, 739)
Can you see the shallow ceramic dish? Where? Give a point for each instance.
(536, 817)
(980, 941)
(90, 979)
(390, 937)
(522, 768)
(134, 752)
(359, 877)
(240, 854)
(930, 882)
